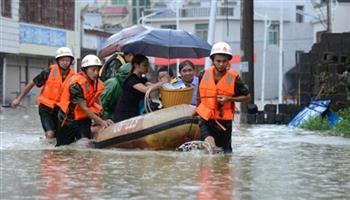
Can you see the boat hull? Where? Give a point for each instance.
(165, 129)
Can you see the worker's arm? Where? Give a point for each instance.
(243, 98)
(144, 88)
(38, 81)
(24, 92)
(93, 116)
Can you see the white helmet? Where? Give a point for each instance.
(64, 51)
(221, 48)
(90, 60)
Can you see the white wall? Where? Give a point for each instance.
(341, 21)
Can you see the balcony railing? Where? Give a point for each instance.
(193, 12)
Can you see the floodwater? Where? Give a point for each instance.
(269, 162)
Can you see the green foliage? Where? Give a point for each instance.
(344, 113)
(316, 124)
(343, 127)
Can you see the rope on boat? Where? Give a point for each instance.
(147, 99)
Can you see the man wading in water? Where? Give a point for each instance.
(52, 81)
(220, 87)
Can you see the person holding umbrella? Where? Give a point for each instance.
(134, 88)
(52, 81)
(79, 103)
(219, 88)
(110, 68)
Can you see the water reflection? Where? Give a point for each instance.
(214, 179)
(69, 175)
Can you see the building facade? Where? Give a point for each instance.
(30, 35)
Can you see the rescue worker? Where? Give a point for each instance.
(111, 66)
(52, 81)
(219, 88)
(79, 103)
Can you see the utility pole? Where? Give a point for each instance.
(177, 28)
(137, 9)
(329, 16)
(280, 58)
(247, 44)
(211, 31)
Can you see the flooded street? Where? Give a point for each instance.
(269, 162)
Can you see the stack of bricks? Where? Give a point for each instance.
(323, 72)
(272, 113)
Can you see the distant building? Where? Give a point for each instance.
(297, 34)
(93, 35)
(100, 20)
(115, 14)
(139, 8)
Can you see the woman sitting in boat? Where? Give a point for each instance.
(187, 77)
(134, 88)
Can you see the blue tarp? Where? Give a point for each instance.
(312, 110)
(333, 119)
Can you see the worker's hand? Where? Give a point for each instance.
(110, 122)
(106, 123)
(222, 99)
(15, 103)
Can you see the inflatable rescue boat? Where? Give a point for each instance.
(164, 129)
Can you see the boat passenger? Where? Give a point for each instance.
(165, 73)
(219, 88)
(186, 69)
(52, 81)
(134, 88)
(79, 103)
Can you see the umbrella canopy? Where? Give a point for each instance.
(167, 43)
(113, 43)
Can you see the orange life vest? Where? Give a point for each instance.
(51, 92)
(91, 92)
(208, 91)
